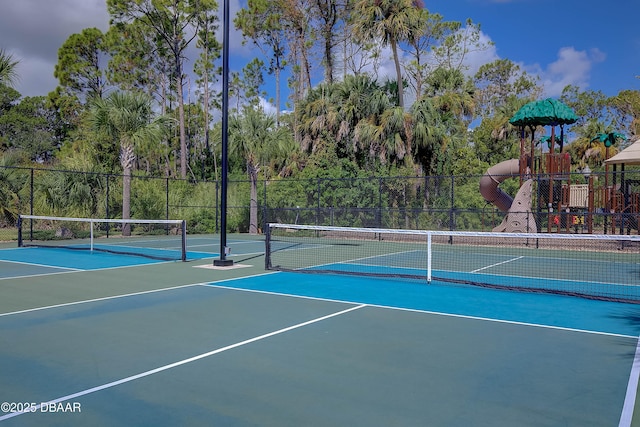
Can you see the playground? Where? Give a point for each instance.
(550, 197)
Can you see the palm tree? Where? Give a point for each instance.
(358, 100)
(441, 119)
(11, 181)
(452, 93)
(391, 22)
(356, 119)
(317, 117)
(254, 137)
(429, 133)
(8, 75)
(129, 119)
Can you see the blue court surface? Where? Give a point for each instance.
(79, 259)
(529, 308)
(184, 343)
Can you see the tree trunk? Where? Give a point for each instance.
(126, 201)
(396, 60)
(184, 155)
(127, 158)
(328, 59)
(253, 203)
(277, 75)
(205, 109)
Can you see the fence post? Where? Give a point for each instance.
(31, 208)
(264, 206)
(106, 204)
(19, 231)
(380, 202)
(217, 204)
(451, 210)
(167, 204)
(318, 209)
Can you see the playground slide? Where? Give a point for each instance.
(519, 218)
(493, 177)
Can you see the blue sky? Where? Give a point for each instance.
(591, 44)
(594, 44)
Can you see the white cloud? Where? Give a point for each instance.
(477, 58)
(268, 107)
(572, 67)
(32, 31)
(380, 66)
(235, 35)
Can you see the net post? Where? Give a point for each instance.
(91, 233)
(428, 258)
(183, 231)
(267, 247)
(19, 231)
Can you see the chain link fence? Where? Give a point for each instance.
(434, 202)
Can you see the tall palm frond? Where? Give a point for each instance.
(8, 73)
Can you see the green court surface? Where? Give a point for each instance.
(183, 343)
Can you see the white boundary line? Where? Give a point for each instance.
(40, 265)
(632, 389)
(53, 273)
(415, 310)
(497, 264)
(65, 270)
(67, 304)
(122, 296)
(76, 270)
(183, 362)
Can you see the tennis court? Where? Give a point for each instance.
(91, 338)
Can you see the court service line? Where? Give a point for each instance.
(77, 270)
(632, 387)
(497, 264)
(355, 260)
(119, 296)
(53, 273)
(236, 242)
(67, 304)
(182, 362)
(231, 279)
(70, 270)
(40, 265)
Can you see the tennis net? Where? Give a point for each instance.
(156, 239)
(592, 266)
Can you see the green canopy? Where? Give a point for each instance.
(546, 112)
(549, 140)
(609, 138)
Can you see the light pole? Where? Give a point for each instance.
(224, 250)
